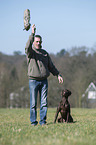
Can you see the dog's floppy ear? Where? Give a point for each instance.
(69, 92)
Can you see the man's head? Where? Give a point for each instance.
(37, 41)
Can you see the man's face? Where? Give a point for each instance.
(37, 42)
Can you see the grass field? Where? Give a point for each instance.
(15, 128)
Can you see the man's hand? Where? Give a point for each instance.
(33, 28)
(60, 79)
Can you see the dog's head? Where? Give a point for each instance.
(65, 93)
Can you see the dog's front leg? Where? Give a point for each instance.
(67, 120)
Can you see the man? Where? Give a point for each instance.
(39, 68)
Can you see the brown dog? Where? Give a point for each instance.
(64, 108)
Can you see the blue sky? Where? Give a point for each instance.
(61, 23)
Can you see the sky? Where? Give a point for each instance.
(63, 24)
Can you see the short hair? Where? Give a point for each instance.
(38, 37)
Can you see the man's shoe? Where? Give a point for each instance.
(34, 123)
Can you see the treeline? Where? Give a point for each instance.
(78, 68)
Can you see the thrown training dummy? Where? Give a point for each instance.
(27, 20)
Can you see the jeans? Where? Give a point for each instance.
(42, 87)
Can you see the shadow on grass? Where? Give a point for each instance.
(61, 123)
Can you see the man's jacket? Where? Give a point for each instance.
(39, 62)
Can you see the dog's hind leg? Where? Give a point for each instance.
(70, 118)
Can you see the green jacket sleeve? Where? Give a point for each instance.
(29, 43)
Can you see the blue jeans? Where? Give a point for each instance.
(42, 87)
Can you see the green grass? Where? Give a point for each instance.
(15, 128)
